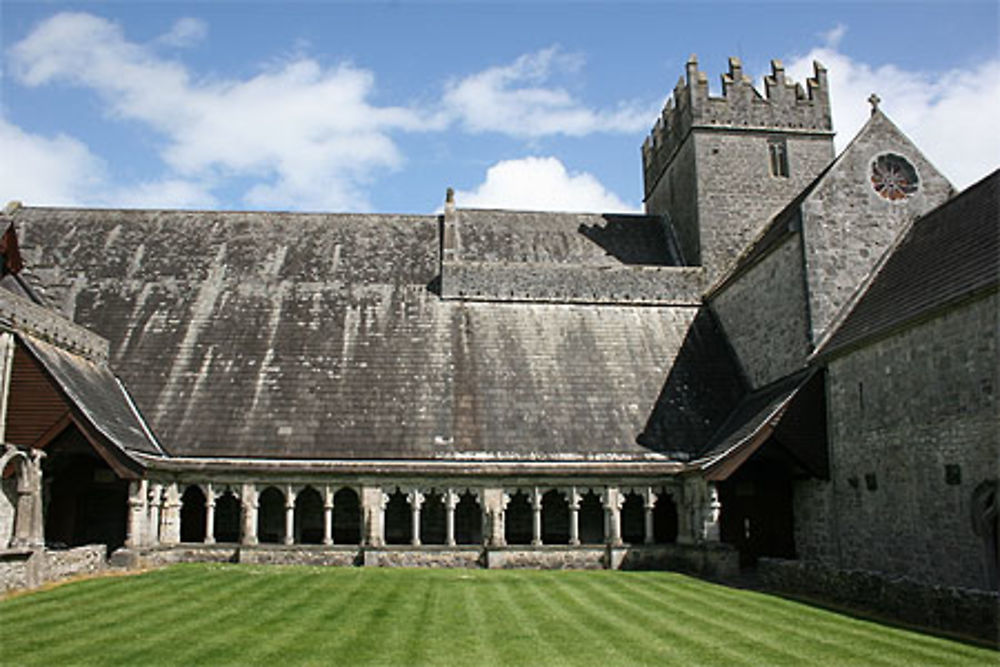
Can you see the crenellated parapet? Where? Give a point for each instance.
(785, 106)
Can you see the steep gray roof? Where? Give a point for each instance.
(947, 255)
(322, 336)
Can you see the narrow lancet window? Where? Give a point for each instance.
(778, 154)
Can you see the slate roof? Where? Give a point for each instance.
(321, 337)
(95, 393)
(946, 256)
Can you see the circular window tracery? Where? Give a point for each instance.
(893, 177)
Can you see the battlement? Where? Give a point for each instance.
(785, 106)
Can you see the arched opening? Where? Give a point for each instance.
(633, 519)
(85, 502)
(398, 519)
(468, 520)
(193, 514)
(308, 517)
(555, 518)
(271, 516)
(517, 519)
(227, 518)
(432, 519)
(665, 519)
(346, 517)
(591, 519)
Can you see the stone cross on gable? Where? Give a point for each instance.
(874, 100)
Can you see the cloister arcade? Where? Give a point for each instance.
(332, 514)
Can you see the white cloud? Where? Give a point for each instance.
(48, 171)
(307, 134)
(541, 184)
(185, 32)
(944, 113)
(511, 99)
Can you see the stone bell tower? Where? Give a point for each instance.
(721, 167)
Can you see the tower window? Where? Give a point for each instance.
(777, 152)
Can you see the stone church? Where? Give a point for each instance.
(790, 357)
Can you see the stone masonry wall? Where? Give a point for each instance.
(914, 423)
(847, 226)
(738, 195)
(968, 613)
(764, 315)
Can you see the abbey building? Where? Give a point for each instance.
(791, 355)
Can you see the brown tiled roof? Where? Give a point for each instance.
(321, 336)
(947, 255)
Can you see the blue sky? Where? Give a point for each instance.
(381, 106)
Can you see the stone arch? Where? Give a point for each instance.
(398, 519)
(432, 518)
(308, 523)
(193, 514)
(468, 519)
(271, 516)
(591, 518)
(633, 519)
(346, 516)
(517, 519)
(985, 511)
(664, 519)
(555, 518)
(227, 517)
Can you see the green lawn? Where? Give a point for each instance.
(240, 614)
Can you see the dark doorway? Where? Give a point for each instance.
(757, 511)
(517, 519)
(271, 516)
(227, 518)
(555, 518)
(468, 520)
(665, 519)
(193, 514)
(432, 519)
(591, 519)
(85, 502)
(346, 517)
(398, 519)
(633, 518)
(309, 517)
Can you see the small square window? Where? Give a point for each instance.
(952, 474)
(871, 482)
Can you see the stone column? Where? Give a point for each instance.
(29, 524)
(649, 503)
(327, 515)
(153, 501)
(494, 503)
(710, 527)
(686, 532)
(170, 517)
(574, 516)
(209, 514)
(613, 501)
(289, 515)
(248, 505)
(416, 500)
(136, 525)
(373, 502)
(450, 503)
(536, 517)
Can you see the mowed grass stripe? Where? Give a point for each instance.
(631, 644)
(240, 614)
(698, 628)
(128, 610)
(204, 627)
(806, 622)
(745, 636)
